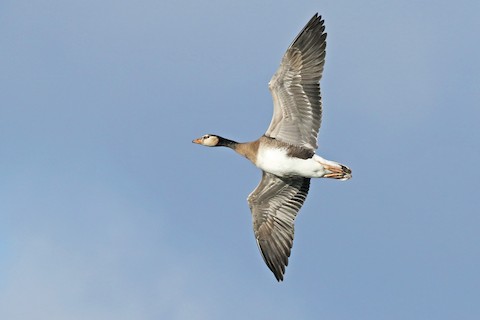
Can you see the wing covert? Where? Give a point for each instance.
(274, 205)
(295, 88)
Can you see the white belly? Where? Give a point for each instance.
(277, 162)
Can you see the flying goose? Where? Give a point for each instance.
(286, 152)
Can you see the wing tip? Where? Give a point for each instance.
(279, 277)
(274, 262)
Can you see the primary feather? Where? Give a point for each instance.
(286, 152)
(297, 105)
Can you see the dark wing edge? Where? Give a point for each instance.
(295, 88)
(274, 205)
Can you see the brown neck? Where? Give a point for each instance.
(248, 150)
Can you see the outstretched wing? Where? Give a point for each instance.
(274, 205)
(297, 106)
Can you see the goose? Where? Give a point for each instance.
(286, 152)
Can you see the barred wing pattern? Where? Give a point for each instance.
(274, 205)
(295, 88)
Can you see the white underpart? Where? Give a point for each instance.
(277, 162)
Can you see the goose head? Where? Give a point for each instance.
(209, 140)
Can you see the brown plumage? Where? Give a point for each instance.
(286, 152)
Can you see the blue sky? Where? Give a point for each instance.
(108, 211)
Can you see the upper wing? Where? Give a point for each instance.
(274, 205)
(297, 106)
